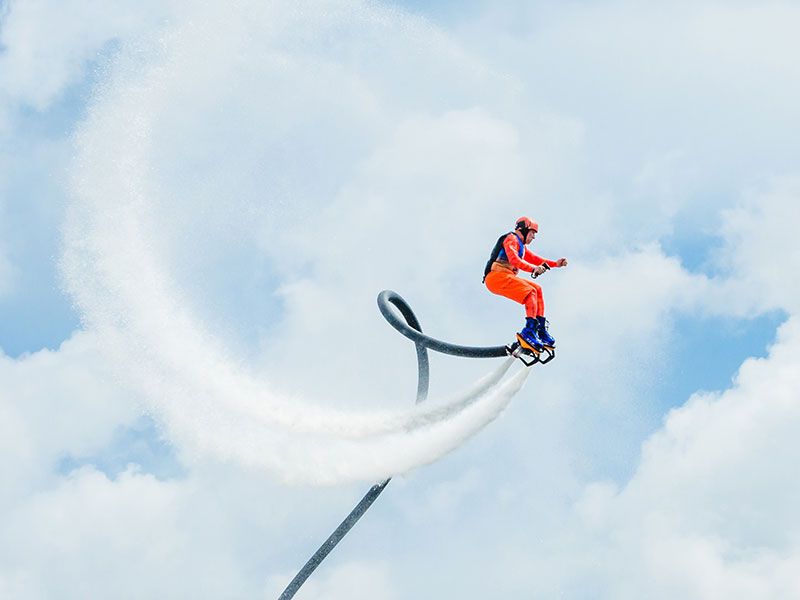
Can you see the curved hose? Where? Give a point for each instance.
(387, 297)
(413, 331)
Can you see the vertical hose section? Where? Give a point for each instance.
(413, 331)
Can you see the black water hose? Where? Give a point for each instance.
(333, 540)
(387, 297)
(413, 331)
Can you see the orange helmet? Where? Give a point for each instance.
(524, 224)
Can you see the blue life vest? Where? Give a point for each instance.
(502, 254)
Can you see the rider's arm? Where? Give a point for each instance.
(538, 260)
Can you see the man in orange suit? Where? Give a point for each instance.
(510, 256)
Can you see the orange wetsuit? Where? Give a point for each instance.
(510, 257)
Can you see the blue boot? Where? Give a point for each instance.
(530, 336)
(544, 335)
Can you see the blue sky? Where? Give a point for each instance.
(347, 149)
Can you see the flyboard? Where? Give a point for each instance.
(412, 329)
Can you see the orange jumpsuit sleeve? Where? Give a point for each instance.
(538, 260)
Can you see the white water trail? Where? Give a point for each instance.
(208, 403)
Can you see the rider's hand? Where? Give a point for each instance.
(538, 271)
(561, 262)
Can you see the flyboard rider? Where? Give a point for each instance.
(510, 256)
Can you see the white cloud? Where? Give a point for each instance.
(761, 246)
(85, 533)
(710, 511)
(133, 537)
(56, 403)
